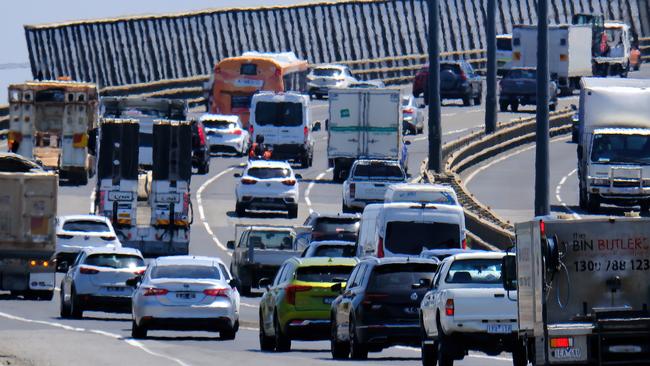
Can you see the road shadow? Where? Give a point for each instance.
(259, 215)
(293, 349)
(183, 338)
(253, 295)
(373, 359)
(319, 181)
(99, 319)
(604, 210)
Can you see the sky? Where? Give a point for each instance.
(16, 13)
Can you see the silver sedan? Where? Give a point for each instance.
(185, 293)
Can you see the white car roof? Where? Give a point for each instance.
(477, 255)
(396, 206)
(188, 260)
(420, 187)
(96, 218)
(219, 117)
(370, 161)
(112, 250)
(268, 164)
(332, 242)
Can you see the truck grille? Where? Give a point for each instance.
(619, 183)
(623, 338)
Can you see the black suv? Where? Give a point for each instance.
(200, 148)
(459, 81)
(519, 87)
(379, 307)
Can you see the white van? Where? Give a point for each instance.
(368, 235)
(406, 229)
(422, 193)
(284, 119)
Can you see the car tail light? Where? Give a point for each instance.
(79, 140)
(290, 293)
(102, 200)
(186, 203)
(462, 76)
(464, 244)
(408, 110)
(278, 72)
(306, 131)
(153, 291)
(380, 247)
(561, 342)
(449, 307)
(251, 129)
(289, 182)
(108, 237)
(88, 271)
(237, 132)
(201, 136)
(564, 57)
(353, 189)
(139, 272)
(216, 292)
(13, 140)
(248, 181)
(64, 236)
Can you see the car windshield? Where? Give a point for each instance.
(85, 226)
(626, 149)
(481, 271)
(185, 271)
(398, 277)
(522, 74)
(378, 171)
(285, 114)
(323, 273)
(114, 261)
(412, 237)
(504, 44)
(268, 173)
(326, 72)
(220, 125)
(271, 240)
(331, 228)
(347, 251)
(440, 197)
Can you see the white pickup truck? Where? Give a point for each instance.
(467, 309)
(368, 182)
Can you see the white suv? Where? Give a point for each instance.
(321, 78)
(77, 232)
(284, 119)
(267, 185)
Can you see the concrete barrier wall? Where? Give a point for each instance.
(142, 49)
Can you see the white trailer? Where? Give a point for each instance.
(612, 53)
(363, 123)
(614, 142)
(569, 52)
(582, 290)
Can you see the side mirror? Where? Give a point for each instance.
(423, 283)
(230, 244)
(509, 272)
(62, 267)
(316, 127)
(234, 283)
(237, 175)
(133, 282)
(265, 283)
(337, 287)
(298, 176)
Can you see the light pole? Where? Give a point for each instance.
(433, 85)
(491, 83)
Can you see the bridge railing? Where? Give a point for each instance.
(644, 46)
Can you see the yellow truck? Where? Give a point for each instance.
(53, 122)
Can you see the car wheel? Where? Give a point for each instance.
(240, 209)
(478, 99)
(340, 350)
(304, 161)
(267, 344)
(429, 354)
(346, 209)
(204, 168)
(64, 308)
(552, 107)
(358, 351)
(229, 333)
(468, 101)
(420, 130)
(138, 332)
(503, 106)
(519, 355)
(76, 311)
(645, 206)
(514, 106)
(245, 289)
(445, 357)
(292, 211)
(282, 342)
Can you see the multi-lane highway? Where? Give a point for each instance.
(34, 331)
(507, 182)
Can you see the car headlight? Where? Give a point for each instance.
(600, 181)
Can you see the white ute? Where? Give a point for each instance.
(467, 309)
(368, 182)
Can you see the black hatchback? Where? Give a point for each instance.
(200, 148)
(379, 307)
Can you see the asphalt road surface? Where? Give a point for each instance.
(506, 183)
(33, 330)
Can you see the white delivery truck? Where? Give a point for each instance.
(614, 142)
(52, 122)
(569, 52)
(28, 197)
(363, 123)
(612, 50)
(582, 290)
(161, 224)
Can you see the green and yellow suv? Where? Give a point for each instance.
(296, 306)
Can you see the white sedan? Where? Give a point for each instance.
(185, 293)
(412, 116)
(225, 134)
(267, 185)
(77, 232)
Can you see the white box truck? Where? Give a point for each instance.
(363, 123)
(28, 197)
(582, 290)
(614, 142)
(569, 52)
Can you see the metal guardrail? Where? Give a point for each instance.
(644, 46)
(487, 228)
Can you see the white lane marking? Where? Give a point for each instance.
(558, 197)
(129, 341)
(453, 132)
(311, 185)
(415, 349)
(199, 201)
(92, 202)
(505, 157)
(248, 305)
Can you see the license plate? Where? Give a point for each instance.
(570, 353)
(120, 196)
(115, 289)
(499, 328)
(328, 300)
(167, 198)
(185, 295)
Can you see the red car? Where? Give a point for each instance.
(420, 81)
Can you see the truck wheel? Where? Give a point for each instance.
(429, 354)
(503, 106)
(445, 355)
(514, 106)
(138, 332)
(519, 356)
(240, 209)
(593, 203)
(293, 211)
